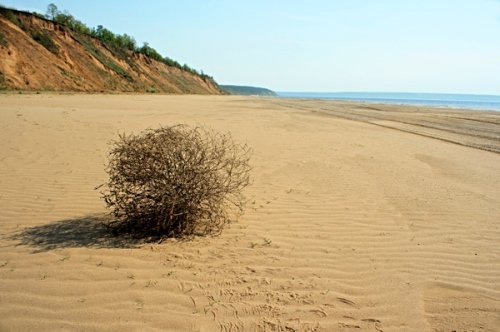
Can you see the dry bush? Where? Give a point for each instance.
(176, 181)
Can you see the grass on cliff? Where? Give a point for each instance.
(107, 62)
(3, 83)
(44, 39)
(11, 16)
(3, 40)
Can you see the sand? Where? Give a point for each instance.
(360, 217)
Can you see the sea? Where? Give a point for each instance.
(466, 101)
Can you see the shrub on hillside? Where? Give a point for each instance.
(176, 181)
(3, 40)
(11, 16)
(3, 83)
(44, 39)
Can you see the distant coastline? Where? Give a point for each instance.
(465, 101)
(244, 90)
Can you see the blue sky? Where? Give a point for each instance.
(447, 46)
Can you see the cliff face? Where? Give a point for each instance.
(38, 54)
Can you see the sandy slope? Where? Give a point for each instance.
(350, 226)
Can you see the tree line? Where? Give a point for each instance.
(119, 42)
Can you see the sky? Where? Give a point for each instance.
(440, 46)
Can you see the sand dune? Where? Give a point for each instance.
(358, 220)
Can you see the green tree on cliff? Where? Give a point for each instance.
(52, 11)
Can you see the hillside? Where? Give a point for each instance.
(40, 54)
(247, 90)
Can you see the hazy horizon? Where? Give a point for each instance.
(423, 46)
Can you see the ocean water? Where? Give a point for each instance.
(480, 102)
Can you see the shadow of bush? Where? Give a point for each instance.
(88, 231)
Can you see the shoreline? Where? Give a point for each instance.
(438, 100)
(471, 128)
(382, 103)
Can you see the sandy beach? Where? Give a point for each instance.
(360, 217)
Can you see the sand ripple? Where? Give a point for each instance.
(350, 225)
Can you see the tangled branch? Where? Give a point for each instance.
(176, 181)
